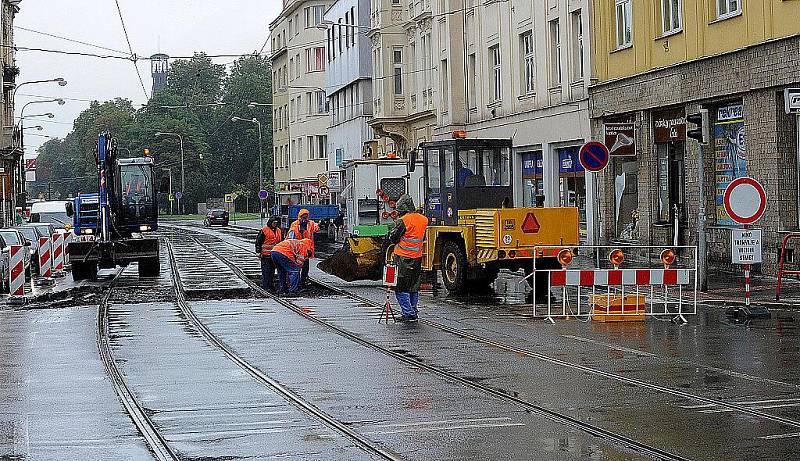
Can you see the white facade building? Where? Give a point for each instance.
(520, 69)
(300, 109)
(348, 81)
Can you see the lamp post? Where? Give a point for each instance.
(183, 172)
(260, 159)
(60, 80)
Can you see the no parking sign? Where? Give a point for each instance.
(594, 156)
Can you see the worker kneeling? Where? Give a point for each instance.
(303, 228)
(408, 237)
(289, 256)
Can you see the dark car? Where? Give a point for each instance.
(216, 217)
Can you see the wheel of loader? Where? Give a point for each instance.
(84, 270)
(542, 284)
(149, 267)
(454, 267)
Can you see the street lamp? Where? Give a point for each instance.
(60, 80)
(47, 114)
(260, 154)
(183, 175)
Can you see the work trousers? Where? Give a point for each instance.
(408, 280)
(267, 273)
(288, 273)
(408, 302)
(304, 274)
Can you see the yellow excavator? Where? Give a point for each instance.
(474, 231)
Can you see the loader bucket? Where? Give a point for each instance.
(361, 258)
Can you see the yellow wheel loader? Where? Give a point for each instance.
(474, 231)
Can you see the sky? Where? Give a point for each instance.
(174, 27)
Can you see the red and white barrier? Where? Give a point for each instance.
(619, 277)
(45, 257)
(58, 253)
(68, 238)
(16, 274)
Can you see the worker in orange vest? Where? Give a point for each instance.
(408, 236)
(303, 228)
(269, 236)
(289, 257)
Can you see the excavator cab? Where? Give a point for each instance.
(466, 174)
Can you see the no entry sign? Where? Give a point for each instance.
(594, 156)
(745, 200)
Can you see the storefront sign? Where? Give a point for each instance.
(532, 165)
(669, 126)
(620, 138)
(334, 181)
(568, 161)
(746, 246)
(791, 98)
(730, 152)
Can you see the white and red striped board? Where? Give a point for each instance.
(45, 257)
(619, 277)
(17, 273)
(58, 252)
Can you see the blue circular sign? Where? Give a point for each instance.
(178, 195)
(594, 156)
(262, 194)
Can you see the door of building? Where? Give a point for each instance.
(672, 187)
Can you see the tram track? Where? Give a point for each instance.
(533, 407)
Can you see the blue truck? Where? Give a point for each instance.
(324, 215)
(86, 215)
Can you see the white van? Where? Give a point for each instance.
(53, 212)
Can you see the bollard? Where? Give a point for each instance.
(45, 261)
(16, 274)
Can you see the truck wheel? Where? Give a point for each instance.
(84, 271)
(149, 267)
(454, 267)
(541, 280)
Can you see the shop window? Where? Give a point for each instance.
(626, 197)
(532, 182)
(730, 155)
(572, 184)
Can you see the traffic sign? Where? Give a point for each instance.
(746, 246)
(228, 198)
(262, 194)
(324, 191)
(594, 156)
(178, 195)
(322, 179)
(745, 200)
(171, 197)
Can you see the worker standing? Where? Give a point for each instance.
(408, 237)
(269, 236)
(303, 228)
(289, 257)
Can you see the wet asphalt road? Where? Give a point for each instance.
(711, 389)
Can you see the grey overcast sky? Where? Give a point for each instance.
(174, 27)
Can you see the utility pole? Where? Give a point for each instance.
(702, 134)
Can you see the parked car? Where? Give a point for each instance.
(14, 237)
(216, 216)
(33, 232)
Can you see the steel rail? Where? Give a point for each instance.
(294, 398)
(533, 407)
(155, 441)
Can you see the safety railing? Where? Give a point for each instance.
(782, 263)
(615, 283)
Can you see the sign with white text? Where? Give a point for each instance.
(745, 246)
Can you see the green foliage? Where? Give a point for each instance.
(220, 156)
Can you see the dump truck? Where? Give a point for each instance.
(122, 220)
(474, 230)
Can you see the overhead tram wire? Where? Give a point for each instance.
(130, 47)
(46, 34)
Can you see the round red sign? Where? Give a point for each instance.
(745, 200)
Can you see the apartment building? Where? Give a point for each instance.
(349, 84)
(520, 70)
(403, 76)
(658, 61)
(300, 103)
(11, 147)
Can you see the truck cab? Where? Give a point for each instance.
(134, 188)
(86, 214)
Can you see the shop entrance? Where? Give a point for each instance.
(672, 188)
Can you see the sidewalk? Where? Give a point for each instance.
(727, 289)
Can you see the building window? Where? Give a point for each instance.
(315, 59)
(322, 146)
(728, 7)
(314, 15)
(528, 63)
(329, 42)
(341, 29)
(577, 53)
(321, 102)
(297, 24)
(555, 53)
(354, 30)
(445, 76)
(671, 15)
(472, 99)
(397, 59)
(624, 27)
(496, 75)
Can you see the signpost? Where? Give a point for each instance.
(744, 201)
(594, 156)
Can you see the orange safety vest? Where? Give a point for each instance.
(296, 250)
(311, 228)
(410, 246)
(271, 238)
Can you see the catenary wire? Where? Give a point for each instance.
(130, 47)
